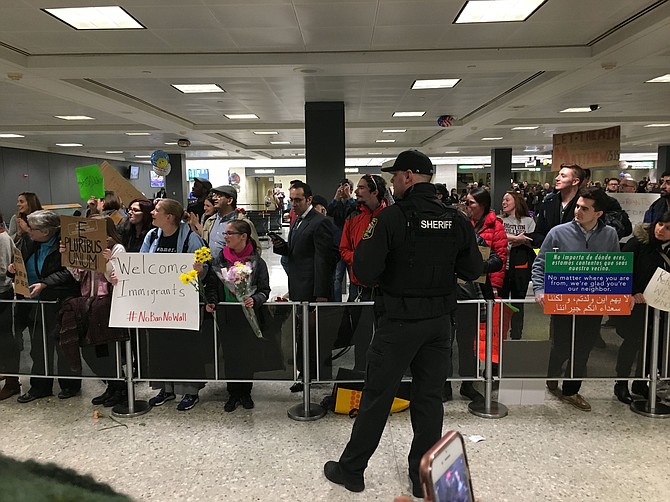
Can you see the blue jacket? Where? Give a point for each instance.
(656, 210)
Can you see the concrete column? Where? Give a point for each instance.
(176, 185)
(501, 174)
(663, 163)
(324, 146)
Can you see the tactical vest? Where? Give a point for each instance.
(423, 266)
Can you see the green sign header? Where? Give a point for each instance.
(590, 263)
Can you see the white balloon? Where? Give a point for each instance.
(162, 171)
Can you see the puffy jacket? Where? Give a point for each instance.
(493, 232)
(354, 226)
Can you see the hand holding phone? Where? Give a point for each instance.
(277, 240)
(444, 471)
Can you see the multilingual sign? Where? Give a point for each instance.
(588, 283)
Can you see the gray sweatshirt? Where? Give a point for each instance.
(569, 237)
(6, 257)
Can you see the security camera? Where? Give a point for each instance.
(183, 142)
(594, 107)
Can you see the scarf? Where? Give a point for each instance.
(232, 256)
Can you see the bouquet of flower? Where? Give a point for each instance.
(202, 255)
(236, 279)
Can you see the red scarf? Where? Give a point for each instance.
(233, 257)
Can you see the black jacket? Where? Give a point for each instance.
(549, 215)
(387, 257)
(646, 257)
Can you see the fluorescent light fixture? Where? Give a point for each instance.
(452, 151)
(351, 170)
(171, 143)
(374, 153)
(531, 150)
(142, 156)
(96, 18)
(197, 88)
(138, 134)
(662, 79)
(280, 142)
(269, 133)
(409, 114)
(497, 11)
(69, 144)
(524, 128)
(264, 171)
(74, 117)
(657, 125)
(114, 151)
(440, 83)
(241, 116)
(11, 135)
(577, 109)
(394, 130)
(493, 138)
(385, 141)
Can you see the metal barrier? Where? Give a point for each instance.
(311, 411)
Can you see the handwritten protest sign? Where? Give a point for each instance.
(588, 283)
(90, 181)
(20, 277)
(119, 185)
(594, 148)
(85, 239)
(635, 204)
(657, 292)
(149, 293)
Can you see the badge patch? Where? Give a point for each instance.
(371, 229)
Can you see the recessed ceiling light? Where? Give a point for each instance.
(269, 133)
(74, 117)
(11, 135)
(241, 116)
(394, 130)
(280, 142)
(385, 141)
(197, 88)
(142, 156)
(492, 138)
(648, 125)
(524, 128)
(578, 109)
(96, 18)
(114, 151)
(409, 114)
(663, 79)
(171, 143)
(138, 134)
(440, 83)
(497, 11)
(69, 144)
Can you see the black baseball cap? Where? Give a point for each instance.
(204, 182)
(411, 160)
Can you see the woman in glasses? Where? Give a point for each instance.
(135, 228)
(237, 338)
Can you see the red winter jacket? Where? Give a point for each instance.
(493, 232)
(354, 226)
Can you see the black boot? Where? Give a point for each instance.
(640, 388)
(447, 393)
(621, 392)
(468, 390)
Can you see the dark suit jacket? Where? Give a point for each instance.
(312, 256)
(549, 215)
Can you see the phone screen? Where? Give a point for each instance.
(454, 484)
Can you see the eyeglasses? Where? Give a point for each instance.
(133, 210)
(233, 233)
(369, 178)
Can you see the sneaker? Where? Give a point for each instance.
(161, 398)
(247, 402)
(231, 404)
(188, 402)
(577, 401)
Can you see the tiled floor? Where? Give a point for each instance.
(549, 452)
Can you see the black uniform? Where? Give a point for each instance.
(411, 252)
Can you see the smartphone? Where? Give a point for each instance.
(275, 236)
(444, 471)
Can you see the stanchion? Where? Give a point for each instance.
(649, 407)
(488, 408)
(133, 408)
(306, 411)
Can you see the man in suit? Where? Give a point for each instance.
(312, 255)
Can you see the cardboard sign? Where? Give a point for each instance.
(635, 204)
(149, 293)
(90, 181)
(21, 276)
(116, 217)
(588, 283)
(588, 149)
(657, 292)
(84, 239)
(119, 185)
